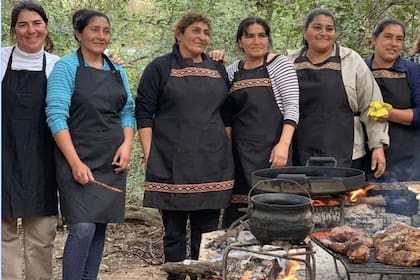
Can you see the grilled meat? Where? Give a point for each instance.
(398, 245)
(354, 243)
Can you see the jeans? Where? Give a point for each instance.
(83, 251)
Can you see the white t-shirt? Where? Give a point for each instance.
(26, 61)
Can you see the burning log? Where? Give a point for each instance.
(193, 268)
(354, 196)
(377, 200)
(256, 268)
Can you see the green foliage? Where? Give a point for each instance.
(142, 29)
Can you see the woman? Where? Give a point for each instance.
(415, 56)
(91, 115)
(264, 105)
(336, 89)
(189, 172)
(399, 81)
(29, 188)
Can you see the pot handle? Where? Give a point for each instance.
(278, 179)
(321, 161)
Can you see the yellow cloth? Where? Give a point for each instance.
(379, 110)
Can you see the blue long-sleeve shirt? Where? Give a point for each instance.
(61, 83)
(412, 71)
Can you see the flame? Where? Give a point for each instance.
(328, 202)
(247, 275)
(357, 194)
(290, 274)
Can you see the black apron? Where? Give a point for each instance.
(96, 132)
(402, 156)
(256, 125)
(190, 165)
(29, 188)
(326, 124)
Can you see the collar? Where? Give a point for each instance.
(23, 54)
(400, 64)
(185, 61)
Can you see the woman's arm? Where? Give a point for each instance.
(285, 87)
(122, 155)
(409, 116)
(401, 116)
(145, 137)
(148, 91)
(81, 172)
(280, 153)
(59, 93)
(286, 92)
(367, 90)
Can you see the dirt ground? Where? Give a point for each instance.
(132, 251)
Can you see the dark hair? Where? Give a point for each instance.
(189, 19)
(384, 23)
(82, 17)
(243, 26)
(312, 15)
(33, 7)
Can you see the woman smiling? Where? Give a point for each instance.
(189, 168)
(90, 112)
(336, 89)
(399, 80)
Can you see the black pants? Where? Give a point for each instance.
(175, 228)
(363, 164)
(232, 214)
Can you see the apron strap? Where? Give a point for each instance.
(337, 50)
(82, 60)
(242, 62)
(9, 64)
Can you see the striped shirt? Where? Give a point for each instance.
(284, 84)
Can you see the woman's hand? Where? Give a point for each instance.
(378, 161)
(117, 59)
(279, 155)
(217, 55)
(121, 158)
(81, 173)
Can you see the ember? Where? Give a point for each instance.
(352, 196)
(290, 274)
(329, 202)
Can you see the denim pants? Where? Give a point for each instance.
(175, 239)
(83, 251)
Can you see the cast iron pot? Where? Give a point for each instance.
(315, 178)
(279, 216)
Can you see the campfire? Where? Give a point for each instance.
(290, 272)
(271, 270)
(352, 196)
(238, 254)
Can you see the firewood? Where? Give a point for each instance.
(218, 241)
(193, 267)
(377, 200)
